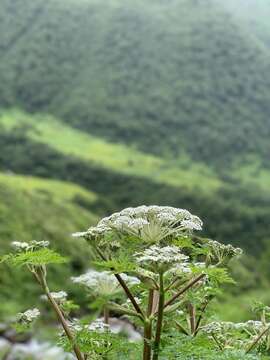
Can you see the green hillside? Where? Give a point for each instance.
(122, 176)
(114, 156)
(139, 102)
(32, 208)
(155, 74)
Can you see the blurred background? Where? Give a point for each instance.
(106, 104)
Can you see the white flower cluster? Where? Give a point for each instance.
(28, 316)
(227, 326)
(103, 282)
(181, 269)
(32, 245)
(222, 251)
(135, 220)
(255, 325)
(213, 327)
(60, 297)
(97, 326)
(160, 259)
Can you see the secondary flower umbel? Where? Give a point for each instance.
(29, 246)
(160, 259)
(28, 316)
(103, 282)
(149, 223)
(60, 297)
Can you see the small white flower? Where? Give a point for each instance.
(98, 326)
(181, 269)
(194, 224)
(75, 326)
(20, 245)
(32, 245)
(160, 259)
(144, 221)
(130, 280)
(213, 327)
(39, 244)
(29, 316)
(103, 282)
(222, 251)
(60, 297)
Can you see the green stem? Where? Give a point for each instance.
(197, 328)
(175, 283)
(148, 328)
(129, 294)
(187, 287)
(159, 317)
(217, 342)
(181, 328)
(124, 286)
(192, 318)
(59, 314)
(258, 338)
(106, 313)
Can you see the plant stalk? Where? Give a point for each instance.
(159, 317)
(129, 294)
(148, 328)
(60, 315)
(124, 286)
(217, 342)
(182, 291)
(258, 338)
(197, 328)
(192, 318)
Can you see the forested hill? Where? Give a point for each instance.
(159, 74)
(143, 102)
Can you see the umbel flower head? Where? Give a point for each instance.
(96, 326)
(160, 259)
(29, 246)
(60, 297)
(28, 316)
(221, 252)
(227, 326)
(103, 283)
(149, 223)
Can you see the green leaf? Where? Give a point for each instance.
(219, 276)
(37, 258)
(184, 242)
(5, 258)
(120, 265)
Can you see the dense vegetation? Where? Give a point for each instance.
(154, 271)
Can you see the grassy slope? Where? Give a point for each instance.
(127, 160)
(32, 208)
(45, 208)
(118, 157)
